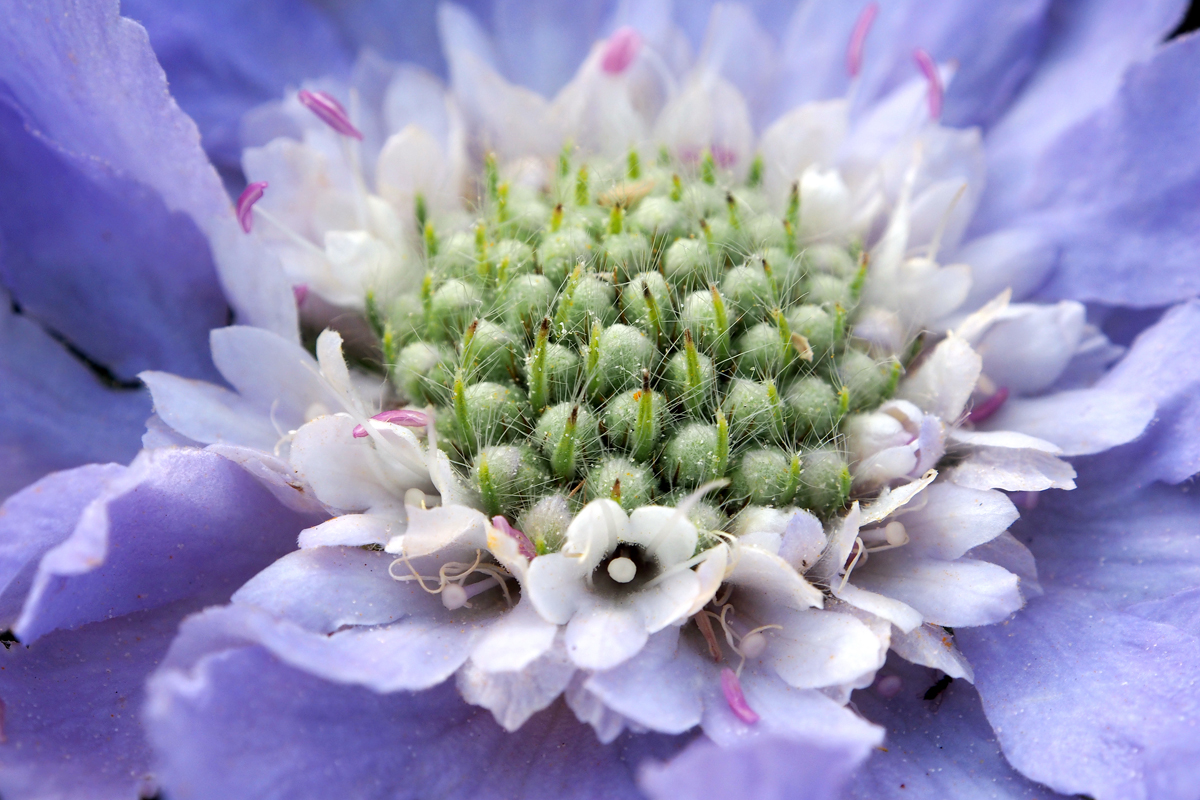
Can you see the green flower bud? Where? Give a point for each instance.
(754, 410)
(691, 457)
(646, 301)
(728, 241)
(627, 253)
(658, 217)
(691, 378)
(829, 291)
(706, 316)
(829, 259)
(527, 301)
(568, 435)
(632, 485)
(456, 256)
(825, 482)
(453, 306)
(421, 372)
(869, 382)
(488, 413)
(635, 421)
(488, 352)
(510, 258)
(811, 405)
(748, 291)
(766, 477)
(508, 478)
(546, 523)
(762, 352)
(765, 230)
(405, 318)
(787, 273)
(560, 252)
(552, 372)
(689, 264)
(624, 354)
(586, 298)
(817, 326)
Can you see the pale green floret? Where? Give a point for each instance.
(488, 352)
(527, 301)
(694, 384)
(420, 371)
(830, 260)
(456, 256)
(658, 217)
(625, 353)
(587, 298)
(762, 352)
(829, 291)
(626, 253)
(764, 230)
(766, 477)
(646, 303)
(562, 373)
(706, 315)
(824, 482)
(454, 305)
(635, 421)
(692, 457)
(817, 326)
(689, 263)
(508, 478)
(494, 413)
(568, 435)
(867, 380)
(754, 411)
(811, 406)
(546, 523)
(629, 483)
(510, 258)
(561, 252)
(748, 292)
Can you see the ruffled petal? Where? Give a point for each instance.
(952, 593)
(955, 519)
(1080, 422)
(601, 635)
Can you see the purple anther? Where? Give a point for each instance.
(989, 406)
(620, 51)
(858, 39)
(245, 204)
(331, 112)
(523, 544)
(930, 70)
(889, 686)
(300, 290)
(406, 417)
(731, 687)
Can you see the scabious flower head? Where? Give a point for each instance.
(677, 402)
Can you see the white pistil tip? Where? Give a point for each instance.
(752, 646)
(622, 570)
(454, 596)
(896, 534)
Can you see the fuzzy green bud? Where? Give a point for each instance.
(626, 253)
(829, 291)
(455, 256)
(560, 252)
(811, 405)
(587, 298)
(624, 354)
(552, 373)
(568, 435)
(488, 352)
(508, 478)
(546, 523)
(762, 352)
(748, 291)
(829, 259)
(705, 314)
(658, 217)
(635, 420)
(817, 326)
(753, 409)
(691, 378)
(691, 457)
(766, 476)
(631, 485)
(511, 258)
(527, 301)
(453, 306)
(688, 263)
(867, 380)
(421, 371)
(488, 413)
(646, 301)
(825, 483)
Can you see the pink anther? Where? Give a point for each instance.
(330, 111)
(406, 417)
(245, 204)
(620, 51)
(523, 544)
(989, 406)
(300, 291)
(858, 39)
(930, 70)
(731, 687)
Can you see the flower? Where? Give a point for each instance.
(215, 667)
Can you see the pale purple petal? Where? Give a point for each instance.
(941, 747)
(1089, 700)
(179, 524)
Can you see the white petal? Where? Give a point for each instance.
(333, 363)
(903, 616)
(806, 135)
(943, 384)
(589, 708)
(1080, 422)
(515, 641)
(955, 519)
(601, 635)
(711, 574)
(708, 114)
(514, 697)
(353, 530)
(1030, 345)
(772, 578)
(669, 600)
(1013, 471)
(892, 499)
(952, 593)
(803, 540)
(820, 648)
(556, 586)
(412, 161)
(273, 473)
(595, 531)
(208, 413)
(1003, 439)
(668, 535)
(1005, 551)
(435, 529)
(931, 646)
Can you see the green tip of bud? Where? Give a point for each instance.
(628, 483)
(708, 168)
(582, 198)
(633, 165)
(509, 478)
(420, 210)
(755, 178)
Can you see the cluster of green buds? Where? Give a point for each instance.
(634, 332)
